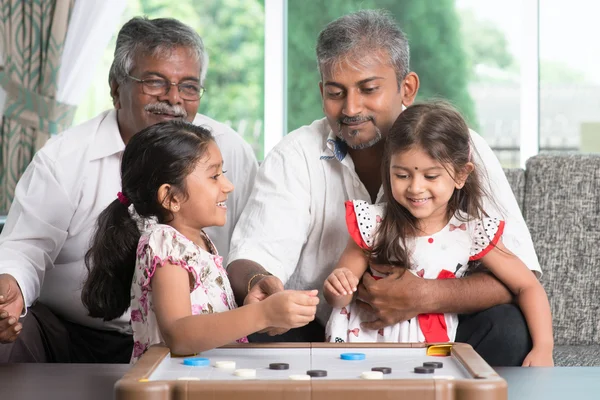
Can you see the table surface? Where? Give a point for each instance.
(96, 381)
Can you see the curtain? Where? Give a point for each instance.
(33, 35)
(50, 49)
(91, 27)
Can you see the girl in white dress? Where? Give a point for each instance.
(433, 225)
(150, 252)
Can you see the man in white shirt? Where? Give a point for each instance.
(293, 229)
(76, 175)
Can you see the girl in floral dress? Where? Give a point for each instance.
(149, 250)
(433, 225)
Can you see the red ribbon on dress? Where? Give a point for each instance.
(434, 326)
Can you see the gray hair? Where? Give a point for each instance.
(354, 38)
(157, 37)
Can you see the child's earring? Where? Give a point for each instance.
(176, 207)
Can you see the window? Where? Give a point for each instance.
(569, 76)
(465, 51)
(233, 34)
(480, 55)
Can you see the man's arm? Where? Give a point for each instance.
(273, 227)
(402, 295)
(35, 231)
(247, 274)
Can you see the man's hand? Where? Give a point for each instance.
(397, 297)
(11, 306)
(262, 289)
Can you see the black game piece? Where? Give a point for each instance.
(424, 370)
(384, 370)
(433, 364)
(316, 373)
(279, 366)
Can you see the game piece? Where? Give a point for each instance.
(225, 364)
(447, 377)
(383, 370)
(433, 364)
(196, 362)
(439, 350)
(424, 370)
(245, 373)
(372, 375)
(188, 378)
(316, 373)
(279, 366)
(352, 356)
(300, 377)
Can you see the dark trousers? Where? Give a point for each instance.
(46, 338)
(499, 334)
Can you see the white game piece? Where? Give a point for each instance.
(300, 377)
(448, 377)
(188, 378)
(225, 364)
(245, 373)
(372, 375)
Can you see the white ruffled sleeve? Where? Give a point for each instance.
(362, 220)
(486, 234)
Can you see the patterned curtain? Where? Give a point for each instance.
(33, 34)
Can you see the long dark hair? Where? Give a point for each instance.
(163, 153)
(441, 132)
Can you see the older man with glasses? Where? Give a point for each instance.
(157, 75)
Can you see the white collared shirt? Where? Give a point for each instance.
(58, 199)
(294, 224)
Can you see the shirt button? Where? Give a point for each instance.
(356, 183)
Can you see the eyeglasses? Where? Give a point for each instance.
(159, 87)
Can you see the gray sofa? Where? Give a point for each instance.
(559, 196)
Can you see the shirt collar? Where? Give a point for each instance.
(334, 147)
(108, 140)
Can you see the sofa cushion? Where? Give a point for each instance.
(562, 211)
(516, 179)
(583, 356)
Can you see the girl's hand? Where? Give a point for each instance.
(341, 282)
(291, 308)
(539, 357)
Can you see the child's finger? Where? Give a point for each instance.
(352, 280)
(345, 284)
(306, 311)
(336, 282)
(330, 288)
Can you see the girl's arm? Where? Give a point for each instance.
(185, 333)
(341, 283)
(530, 295)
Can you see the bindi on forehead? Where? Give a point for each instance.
(416, 168)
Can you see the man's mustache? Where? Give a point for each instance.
(354, 120)
(165, 108)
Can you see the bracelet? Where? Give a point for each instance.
(256, 276)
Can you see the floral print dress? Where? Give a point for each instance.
(210, 290)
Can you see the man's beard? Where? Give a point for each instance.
(356, 132)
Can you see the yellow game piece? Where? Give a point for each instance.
(144, 380)
(439, 350)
